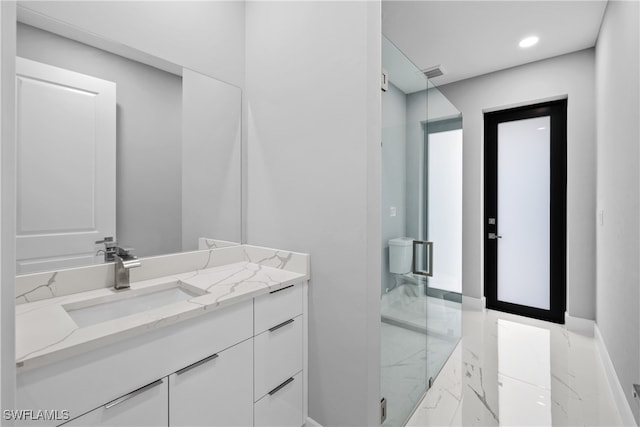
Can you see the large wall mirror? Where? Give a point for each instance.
(114, 142)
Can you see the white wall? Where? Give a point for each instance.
(313, 86)
(206, 36)
(7, 211)
(618, 280)
(571, 75)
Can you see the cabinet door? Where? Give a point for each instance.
(147, 406)
(216, 391)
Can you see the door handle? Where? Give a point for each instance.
(493, 236)
(429, 246)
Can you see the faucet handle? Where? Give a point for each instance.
(106, 240)
(124, 252)
(129, 262)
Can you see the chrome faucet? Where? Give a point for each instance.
(124, 262)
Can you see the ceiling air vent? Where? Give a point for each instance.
(432, 72)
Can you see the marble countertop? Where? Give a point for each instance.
(45, 333)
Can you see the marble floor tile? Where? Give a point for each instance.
(408, 359)
(514, 371)
(419, 332)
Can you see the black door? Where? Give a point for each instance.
(525, 210)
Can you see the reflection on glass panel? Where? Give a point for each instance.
(421, 201)
(404, 303)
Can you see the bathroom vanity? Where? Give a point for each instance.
(219, 340)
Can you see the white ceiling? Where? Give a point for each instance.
(470, 38)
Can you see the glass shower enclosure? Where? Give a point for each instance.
(421, 234)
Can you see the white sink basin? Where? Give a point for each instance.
(128, 302)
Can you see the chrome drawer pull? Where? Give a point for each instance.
(281, 386)
(281, 289)
(285, 323)
(196, 364)
(132, 394)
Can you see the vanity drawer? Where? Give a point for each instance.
(276, 307)
(283, 407)
(278, 355)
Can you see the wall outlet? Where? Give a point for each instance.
(393, 211)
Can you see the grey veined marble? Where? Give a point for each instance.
(45, 332)
(513, 371)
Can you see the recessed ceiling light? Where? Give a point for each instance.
(528, 41)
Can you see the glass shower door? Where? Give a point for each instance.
(443, 208)
(420, 295)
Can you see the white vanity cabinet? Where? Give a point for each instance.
(240, 365)
(145, 407)
(216, 391)
(279, 358)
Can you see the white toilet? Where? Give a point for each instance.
(401, 255)
(401, 265)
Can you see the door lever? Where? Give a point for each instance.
(493, 236)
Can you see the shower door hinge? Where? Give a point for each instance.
(384, 80)
(383, 410)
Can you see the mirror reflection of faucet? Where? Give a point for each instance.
(109, 250)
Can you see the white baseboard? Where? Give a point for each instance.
(618, 394)
(312, 423)
(579, 325)
(473, 304)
